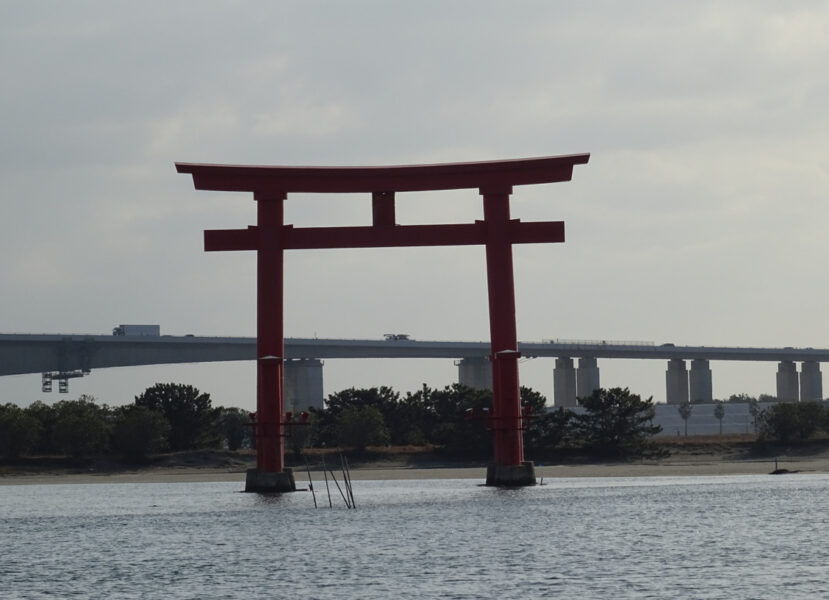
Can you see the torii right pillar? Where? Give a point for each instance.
(509, 467)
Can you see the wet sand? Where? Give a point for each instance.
(665, 468)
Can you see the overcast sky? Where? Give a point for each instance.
(700, 218)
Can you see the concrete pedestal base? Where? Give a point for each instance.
(262, 482)
(511, 476)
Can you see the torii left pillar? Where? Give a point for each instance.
(267, 238)
(270, 474)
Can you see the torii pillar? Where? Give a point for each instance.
(271, 237)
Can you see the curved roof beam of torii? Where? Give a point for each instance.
(498, 176)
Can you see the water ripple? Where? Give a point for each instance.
(727, 537)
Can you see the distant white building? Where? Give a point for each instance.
(737, 419)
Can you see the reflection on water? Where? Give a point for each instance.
(690, 537)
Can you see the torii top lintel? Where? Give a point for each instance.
(497, 176)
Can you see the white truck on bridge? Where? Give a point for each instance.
(143, 330)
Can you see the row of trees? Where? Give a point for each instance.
(793, 421)
(455, 420)
(165, 416)
(743, 399)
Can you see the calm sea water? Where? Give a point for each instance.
(690, 537)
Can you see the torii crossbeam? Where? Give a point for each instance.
(270, 237)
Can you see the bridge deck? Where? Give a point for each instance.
(23, 353)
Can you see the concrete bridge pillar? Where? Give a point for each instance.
(564, 383)
(587, 377)
(475, 372)
(303, 384)
(811, 381)
(700, 382)
(788, 389)
(676, 382)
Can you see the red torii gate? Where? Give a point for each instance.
(270, 237)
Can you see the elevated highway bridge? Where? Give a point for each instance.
(61, 357)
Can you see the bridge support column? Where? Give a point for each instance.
(676, 382)
(475, 372)
(303, 384)
(787, 382)
(564, 382)
(811, 381)
(700, 381)
(587, 377)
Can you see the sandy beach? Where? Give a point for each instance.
(663, 468)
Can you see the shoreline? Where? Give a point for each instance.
(665, 468)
